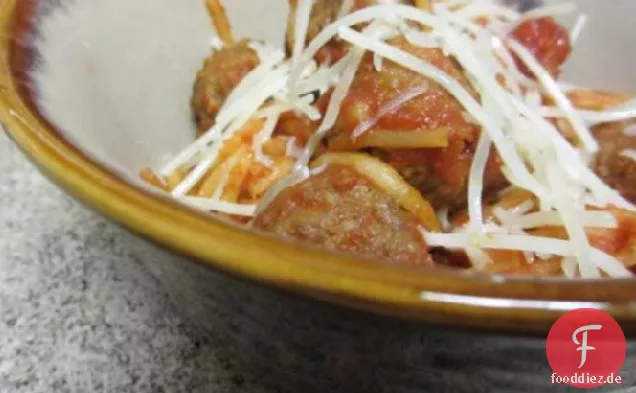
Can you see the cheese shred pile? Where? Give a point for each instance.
(515, 123)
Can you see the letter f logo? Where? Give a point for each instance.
(583, 343)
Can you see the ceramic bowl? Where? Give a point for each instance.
(92, 90)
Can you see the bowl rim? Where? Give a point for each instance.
(521, 305)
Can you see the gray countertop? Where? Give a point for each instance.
(77, 313)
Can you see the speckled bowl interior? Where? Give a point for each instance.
(92, 90)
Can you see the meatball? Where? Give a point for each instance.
(221, 73)
(440, 174)
(323, 13)
(547, 40)
(342, 210)
(611, 164)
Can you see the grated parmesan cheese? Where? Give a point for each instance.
(391, 107)
(301, 26)
(552, 88)
(578, 28)
(443, 216)
(505, 148)
(292, 149)
(535, 244)
(590, 219)
(478, 257)
(535, 155)
(347, 6)
(629, 153)
(569, 266)
(593, 117)
(263, 136)
(219, 206)
(216, 43)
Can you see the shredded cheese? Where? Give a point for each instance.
(593, 117)
(297, 176)
(377, 62)
(240, 113)
(292, 149)
(578, 28)
(373, 13)
(478, 257)
(262, 137)
(560, 98)
(476, 182)
(569, 266)
(513, 120)
(217, 43)
(301, 26)
(476, 9)
(347, 6)
(395, 104)
(226, 168)
(255, 77)
(505, 148)
(629, 153)
(219, 206)
(535, 244)
(352, 61)
(590, 219)
(443, 216)
(418, 38)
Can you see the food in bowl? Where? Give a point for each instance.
(425, 133)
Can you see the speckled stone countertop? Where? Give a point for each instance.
(78, 314)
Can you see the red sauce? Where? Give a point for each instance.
(619, 242)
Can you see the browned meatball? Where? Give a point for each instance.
(341, 210)
(611, 165)
(441, 174)
(323, 13)
(547, 40)
(220, 74)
